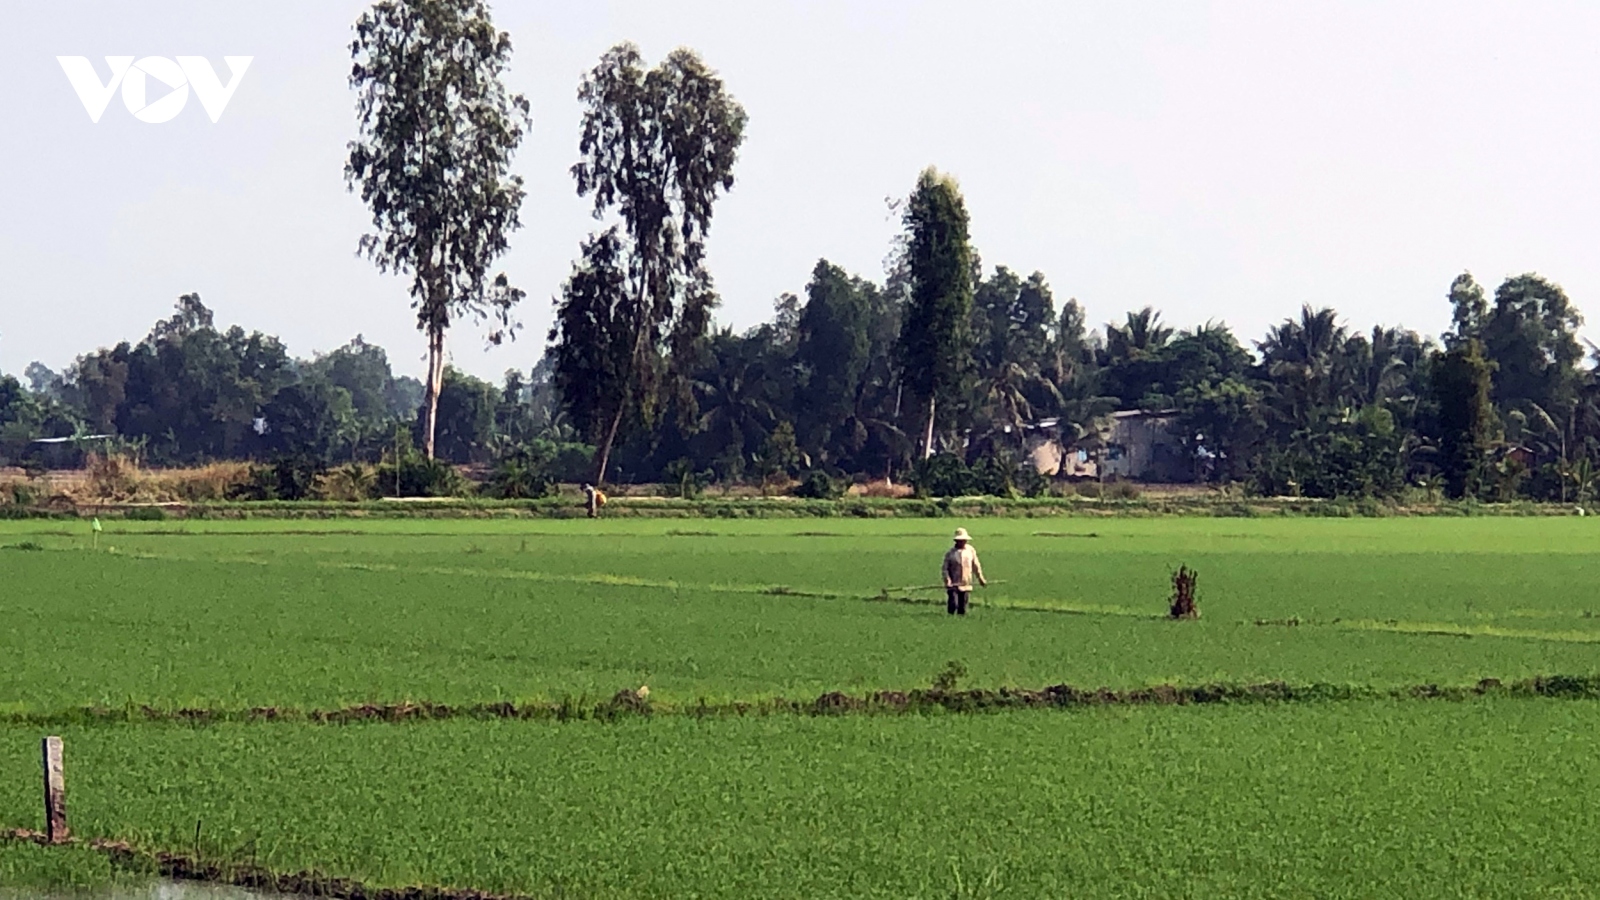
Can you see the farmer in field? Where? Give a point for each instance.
(592, 499)
(960, 567)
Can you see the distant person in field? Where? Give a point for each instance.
(961, 566)
(591, 499)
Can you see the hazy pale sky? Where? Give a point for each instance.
(1225, 160)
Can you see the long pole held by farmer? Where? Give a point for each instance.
(961, 566)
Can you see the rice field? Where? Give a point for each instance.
(1377, 797)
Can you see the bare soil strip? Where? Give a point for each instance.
(920, 701)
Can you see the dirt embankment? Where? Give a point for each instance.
(631, 703)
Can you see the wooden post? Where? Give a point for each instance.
(55, 793)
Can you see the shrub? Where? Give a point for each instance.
(1110, 490)
(1029, 483)
(994, 476)
(1359, 458)
(1122, 490)
(215, 481)
(20, 495)
(819, 485)
(571, 462)
(882, 487)
(683, 480)
(351, 483)
(523, 474)
(941, 475)
(146, 514)
(998, 475)
(414, 475)
(288, 478)
(258, 486)
(117, 478)
(113, 477)
(295, 477)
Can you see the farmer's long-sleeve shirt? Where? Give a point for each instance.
(961, 566)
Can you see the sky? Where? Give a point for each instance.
(1223, 161)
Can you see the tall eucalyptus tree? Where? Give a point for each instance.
(657, 149)
(438, 129)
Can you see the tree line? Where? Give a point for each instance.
(944, 373)
(1508, 406)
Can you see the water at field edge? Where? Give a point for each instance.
(157, 890)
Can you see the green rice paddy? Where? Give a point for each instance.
(1484, 797)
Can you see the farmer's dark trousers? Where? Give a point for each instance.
(955, 601)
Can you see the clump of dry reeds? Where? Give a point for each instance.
(118, 478)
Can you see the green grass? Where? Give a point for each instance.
(245, 614)
(32, 867)
(1481, 798)
(1372, 799)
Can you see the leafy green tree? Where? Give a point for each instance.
(514, 422)
(871, 439)
(1531, 337)
(935, 351)
(736, 401)
(44, 382)
(102, 385)
(20, 417)
(592, 342)
(780, 454)
(437, 133)
(1468, 310)
(466, 417)
(1208, 353)
(313, 419)
(546, 418)
(195, 392)
(657, 148)
(1221, 426)
(362, 370)
(1461, 387)
(832, 354)
(404, 397)
(1071, 353)
(1073, 367)
(1358, 456)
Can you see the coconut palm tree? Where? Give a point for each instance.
(1142, 334)
(1299, 357)
(733, 397)
(1003, 400)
